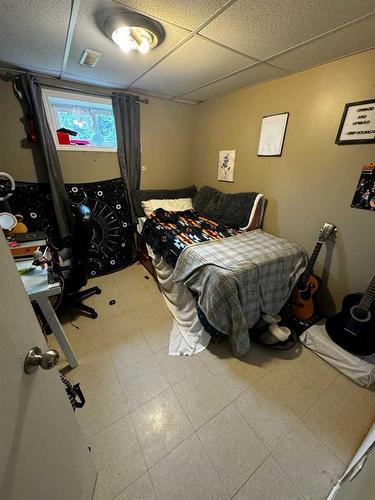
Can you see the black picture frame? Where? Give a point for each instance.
(286, 113)
(347, 106)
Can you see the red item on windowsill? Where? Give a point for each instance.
(63, 138)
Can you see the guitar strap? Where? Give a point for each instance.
(74, 392)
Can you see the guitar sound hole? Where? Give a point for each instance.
(359, 314)
(306, 287)
(306, 295)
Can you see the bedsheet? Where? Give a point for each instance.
(238, 278)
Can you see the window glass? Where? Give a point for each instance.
(87, 121)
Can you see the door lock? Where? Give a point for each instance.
(35, 358)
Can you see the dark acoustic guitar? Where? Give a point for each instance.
(354, 327)
(302, 303)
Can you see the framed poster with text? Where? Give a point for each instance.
(357, 124)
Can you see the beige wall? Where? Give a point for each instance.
(314, 180)
(165, 136)
(166, 144)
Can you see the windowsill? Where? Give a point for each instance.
(93, 149)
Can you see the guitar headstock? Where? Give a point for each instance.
(326, 232)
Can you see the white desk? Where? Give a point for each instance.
(38, 289)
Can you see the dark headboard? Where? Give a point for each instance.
(233, 209)
(160, 194)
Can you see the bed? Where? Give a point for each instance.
(219, 277)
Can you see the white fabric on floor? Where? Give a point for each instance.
(361, 369)
(188, 335)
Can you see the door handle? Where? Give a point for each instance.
(35, 358)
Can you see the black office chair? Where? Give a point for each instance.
(75, 263)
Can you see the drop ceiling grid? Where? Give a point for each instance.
(204, 23)
(352, 38)
(195, 63)
(317, 38)
(229, 75)
(114, 65)
(271, 59)
(131, 85)
(202, 11)
(324, 33)
(20, 25)
(276, 25)
(259, 73)
(159, 61)
(294, 59)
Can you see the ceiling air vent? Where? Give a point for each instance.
(90, 58)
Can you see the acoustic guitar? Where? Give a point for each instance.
(354, 327)
(302, 298)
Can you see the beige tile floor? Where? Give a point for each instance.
(269, 426)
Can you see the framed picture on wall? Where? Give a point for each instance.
(225, 170)
(272, 134)
(357, 124)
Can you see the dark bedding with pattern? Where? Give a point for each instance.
(168, 233)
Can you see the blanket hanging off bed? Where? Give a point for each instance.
(239, 277)
(236, 275)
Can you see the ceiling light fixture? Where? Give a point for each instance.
(134, 32)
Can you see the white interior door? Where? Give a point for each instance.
(43, 454)
(358, 483)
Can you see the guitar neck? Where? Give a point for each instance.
(310, 266)
(369, 296)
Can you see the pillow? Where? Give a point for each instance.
(233, 209)
(160, 194)
(178, 205)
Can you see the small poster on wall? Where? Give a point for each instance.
(225, 170)
(364, 196)
(357, 124)
(272, 135)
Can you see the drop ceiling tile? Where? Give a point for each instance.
(259, 73)
(189, 15)
(182, 100)
(263, 29)
(355, 38)
(149, 93)
(33, 32)
(194, 64)
(114, 67)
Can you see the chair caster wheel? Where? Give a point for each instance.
(94, 315)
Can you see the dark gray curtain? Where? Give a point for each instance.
(29, 91)
(127, 119)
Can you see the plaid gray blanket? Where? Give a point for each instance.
(240, 277)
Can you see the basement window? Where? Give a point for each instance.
(80, 122)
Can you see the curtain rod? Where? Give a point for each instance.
(142, 100)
